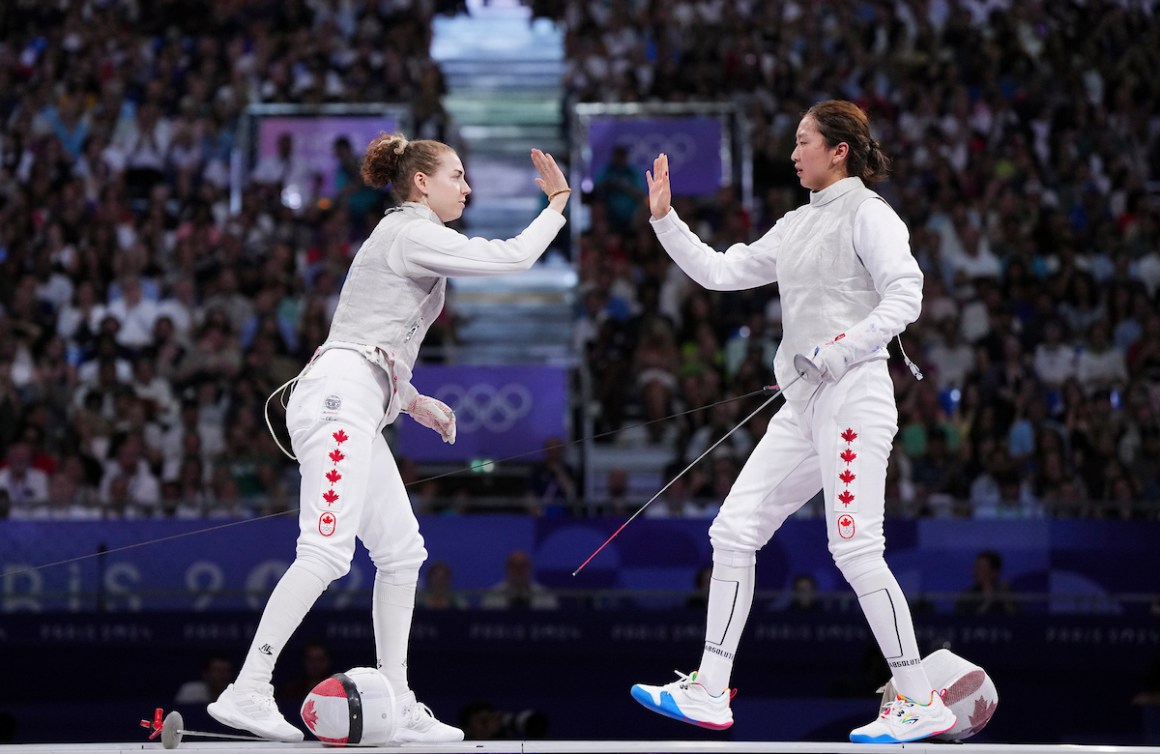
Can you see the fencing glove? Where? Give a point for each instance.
(434, 414)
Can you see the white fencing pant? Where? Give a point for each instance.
(840, 443)
(351, 488)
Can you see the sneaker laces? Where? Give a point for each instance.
(263, 699)
(419, 714)
(900, 704)
(689, 679)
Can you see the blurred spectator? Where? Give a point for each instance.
(699, 599)
(1055, 361)
(315, 667)
(215, 673)
(620, 187)
(803, 596)
(26, 486)
(988, 594)
(518, 589)
(437, 592)
(676, 500)
(553, 485)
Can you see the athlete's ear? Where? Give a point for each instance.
(841, 151)
(421, 182)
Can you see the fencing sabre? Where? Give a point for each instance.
(708, 450)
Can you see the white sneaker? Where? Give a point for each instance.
(255, 711)
(417, 724)
(688, 701)
(904, 720)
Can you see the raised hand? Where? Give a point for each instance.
(551, 179)
(660, 196)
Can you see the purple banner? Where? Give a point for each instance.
(693, 144)
(499, 411)
(314, 137)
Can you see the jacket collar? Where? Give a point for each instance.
(834, 190)
(417, 209)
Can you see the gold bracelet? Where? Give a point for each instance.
(554, 194)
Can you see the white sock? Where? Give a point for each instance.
(292, 598)
(888, 614)
(393, 606)
(730, 597)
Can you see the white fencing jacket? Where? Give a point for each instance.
(397, 283)
(842, 264)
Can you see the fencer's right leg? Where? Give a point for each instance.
(780, 475)
(332, 419)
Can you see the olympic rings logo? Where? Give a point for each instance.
(481, 406)
(643, 148)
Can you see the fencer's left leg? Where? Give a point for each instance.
(854, 430)
(390, 531)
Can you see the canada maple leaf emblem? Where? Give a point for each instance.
(849, 435)
(845, 521)
(330, 496)
(309, 714)
(845, 497)
(336, 455)
(980, 715)
(340, 437)
(327, 518)
(333, 476)
(848, 456)
(847, 476)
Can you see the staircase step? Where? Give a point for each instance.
(484, 108)
(504, 77)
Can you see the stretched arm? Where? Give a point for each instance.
(742, 266)
(429, 248)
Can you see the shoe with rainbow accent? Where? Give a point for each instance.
(688, 701)
(904, 720)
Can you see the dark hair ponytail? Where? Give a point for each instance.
(842, 121)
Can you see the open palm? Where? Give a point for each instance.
(660, 196)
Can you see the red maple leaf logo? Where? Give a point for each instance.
(340, 437)
(336, 455)
(333, 476)
(845, 521)
(846, 477)
(848, 456)
(330, 496)
(327, 518)
(309, 714)
(845, 497)
(849, 435)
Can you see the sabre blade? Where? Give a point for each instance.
(772, 396)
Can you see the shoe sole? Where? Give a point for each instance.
(864, 739)
(231, 722)
(646, 700)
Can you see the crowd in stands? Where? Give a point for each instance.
(144, 320)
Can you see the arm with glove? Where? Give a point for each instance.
(430, 412)
(883, 244)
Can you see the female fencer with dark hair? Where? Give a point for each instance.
(356, 384)
(848, 284)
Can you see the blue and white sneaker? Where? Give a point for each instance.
(904, 720)
(688, 701)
